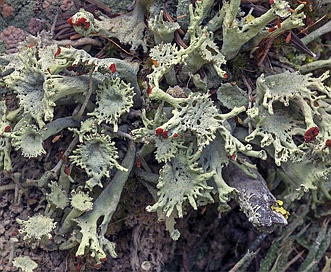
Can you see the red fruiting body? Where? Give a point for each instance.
(98, 266)
(112, 68)
(165, 134)
(58, 52)
(175, 135)
(7, 128)
(271, 2)
(232, 157)
(328, 143)
(311, 134)
(82, 22)
(279, 25)
(15, 232)
(70, 21)
(79, 22)
(78, 267)
(67, 170)
(288, 37)
(103, 259)
(225, 75)
(271, 29)
(138, 162)
(86, 25)
(149, 90)
(158, 132)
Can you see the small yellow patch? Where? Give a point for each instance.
(249, 18)
(309, 59)
(278, 207)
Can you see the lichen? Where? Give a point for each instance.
(305, 104)
(236, 33)
(278, 207)
(114, 98)
(36, 227)
(57, 198)
(231, 96)
(69, 58)
(25, 263)
(92, 232)
(214, 158)
(89, 126)
(81, 202)
(133, 32)
(29, 84)
(5, 141)
(167, 148)
(163, 31)
(184, 174)
(278, 130)
(305, 91)
(97, 156)
(28, 139)
(74, 109)
(192, 116)
(202, 50)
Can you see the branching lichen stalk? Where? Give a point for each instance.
(326, 28)
(87, 96)
(318, 64)
(104, 206)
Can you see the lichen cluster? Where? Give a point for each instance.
(205, 134)
(43, 80)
